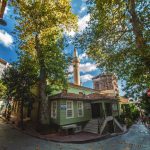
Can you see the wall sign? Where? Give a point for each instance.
(63, 107)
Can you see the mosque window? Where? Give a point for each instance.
(96, 85)
(69, 109)
(80, 108)
(54, 109)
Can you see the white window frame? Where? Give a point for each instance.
(72, 108)
(52, 107)
(78, 109)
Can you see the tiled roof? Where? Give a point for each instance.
(124, 100)
(82, 87)
(3, 61)
(72, 96)
(102, 75)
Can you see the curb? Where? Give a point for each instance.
(104, 137)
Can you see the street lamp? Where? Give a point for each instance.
(2, 9)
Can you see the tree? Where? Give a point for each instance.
(2, 89)
(19, 78)
(118, 40)
(41, 26)
(145, 103)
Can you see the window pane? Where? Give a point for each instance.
(69, 113)
(80, 108)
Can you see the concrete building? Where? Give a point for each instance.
(3, 65)
(106, 84)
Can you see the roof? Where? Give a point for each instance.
(124, 100)
(72, 96)
(2, 61)
(102, 75)
(82, 87)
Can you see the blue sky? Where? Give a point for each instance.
(8, 49)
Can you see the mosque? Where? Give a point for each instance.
(80, 108)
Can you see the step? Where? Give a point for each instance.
(93, 127)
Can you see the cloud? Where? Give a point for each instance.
(71, 33)
(6, 10)
(88, 67)
(5, 38)
(70, 69)
(82, 24)
(86, 77)
(83, 8)
(83, 56)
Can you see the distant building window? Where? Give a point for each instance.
(54, 109)
(96, 85)
(80, 108)
(69, 109)
(64, 91)
(80, 93)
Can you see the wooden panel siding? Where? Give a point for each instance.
(75, 119)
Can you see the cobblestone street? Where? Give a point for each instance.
(138, 138)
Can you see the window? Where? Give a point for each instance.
(69, 109)
(80, 108)
(54, 109)
(96, 85)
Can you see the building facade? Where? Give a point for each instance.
(3, 65)
(106, 83)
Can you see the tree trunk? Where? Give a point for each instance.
(21, 115)
(43, 116)
(138, 28)
(137, 25)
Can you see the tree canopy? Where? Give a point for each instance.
(145, 103)
(19, 78)
(117, 38)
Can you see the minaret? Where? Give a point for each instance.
(76, 69)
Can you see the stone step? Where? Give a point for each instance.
(92, 126)
(92, 131)
(95, 127)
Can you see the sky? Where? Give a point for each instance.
(88, 67)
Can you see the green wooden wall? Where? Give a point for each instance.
(61, 112)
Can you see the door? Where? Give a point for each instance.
(95, 110)
(108, 109)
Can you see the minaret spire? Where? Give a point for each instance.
(76, 69)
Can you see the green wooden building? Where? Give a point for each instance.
(79, 106)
